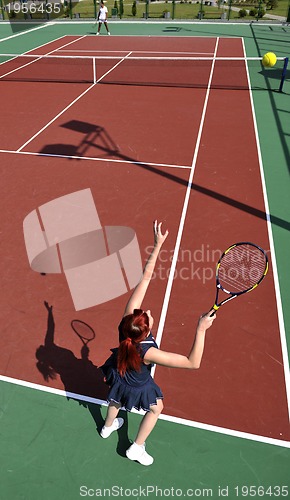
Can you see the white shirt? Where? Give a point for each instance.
(103, 13)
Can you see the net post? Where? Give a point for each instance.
(284, 71)
(94, 71)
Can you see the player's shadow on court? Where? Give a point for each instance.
(79, 376)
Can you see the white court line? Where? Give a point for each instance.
(164, 417)
(141, 52)
(38, 57)
(173, 24)
(39, 46)
(168, 418)
(24, 32)
(55, 118)
(282, 331)
(71, 104)
(183, 215)
(64, 45)
(30, 50)
(99, 159)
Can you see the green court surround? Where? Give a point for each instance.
(50, 446)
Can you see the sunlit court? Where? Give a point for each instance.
(99, 137)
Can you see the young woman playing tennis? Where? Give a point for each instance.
(102, 18)
(128, 369)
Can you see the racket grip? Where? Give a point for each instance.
(214, 312)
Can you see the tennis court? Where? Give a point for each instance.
(173, 125)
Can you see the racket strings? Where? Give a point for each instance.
(83, 330)
(241, 268)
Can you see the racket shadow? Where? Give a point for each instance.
(79, 376)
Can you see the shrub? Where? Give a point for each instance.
(253, 12)
(242, 13)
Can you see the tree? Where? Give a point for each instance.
(134, 8)
(272, 4)
(121, 9)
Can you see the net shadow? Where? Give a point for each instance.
(260, 35)
(109, 149)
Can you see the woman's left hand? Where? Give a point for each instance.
(159, 238)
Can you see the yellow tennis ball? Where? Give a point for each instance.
(269, 60)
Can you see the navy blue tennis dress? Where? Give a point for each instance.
(136, 389)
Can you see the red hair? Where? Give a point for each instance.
(135, 328)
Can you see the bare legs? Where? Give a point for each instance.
(147, 424)
(113, 410)
(106, 26)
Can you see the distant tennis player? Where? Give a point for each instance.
(102, 18)
(127, 371)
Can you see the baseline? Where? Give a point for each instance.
(163, 416)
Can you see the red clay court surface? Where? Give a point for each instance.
(136, 147)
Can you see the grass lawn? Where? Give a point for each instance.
(158, 9)
(185, 10)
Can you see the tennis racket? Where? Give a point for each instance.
(240, 269)
(84, 331)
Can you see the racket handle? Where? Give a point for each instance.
(214, 312)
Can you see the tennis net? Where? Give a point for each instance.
(196, 72)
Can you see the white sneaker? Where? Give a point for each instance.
(138, 453)
(107, 431)
(97, 33)
(109, 33)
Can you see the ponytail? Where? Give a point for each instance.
(135, 328)
(128, 357)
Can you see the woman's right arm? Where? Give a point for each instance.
(193, 360)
